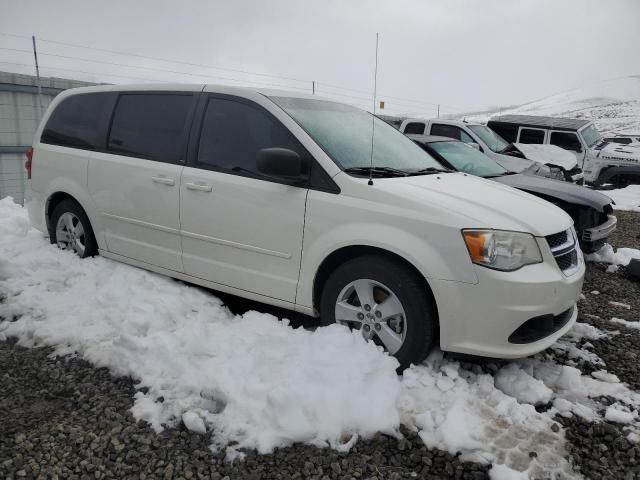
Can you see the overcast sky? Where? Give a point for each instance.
(462, 54)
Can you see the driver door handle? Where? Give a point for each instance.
(198, 187)
(163, 180)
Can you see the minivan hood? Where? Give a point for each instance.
(564, 191)
(483, 203)
(548, 155)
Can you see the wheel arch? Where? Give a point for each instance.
(343, 254)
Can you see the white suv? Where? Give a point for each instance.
(267, 196)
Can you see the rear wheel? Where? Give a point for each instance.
(386, 302)
(70, 229)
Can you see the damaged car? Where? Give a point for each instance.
(591, 211)
(545, 161)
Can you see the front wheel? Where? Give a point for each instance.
(70, 229)
(386, 302)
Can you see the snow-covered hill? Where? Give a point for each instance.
(614, 105)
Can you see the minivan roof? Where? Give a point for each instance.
(542, 122)
(195, 87)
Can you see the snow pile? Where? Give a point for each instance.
(627, 198)
(621, 256)
(252, 381)
(626, 323)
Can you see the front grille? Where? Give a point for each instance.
(567, 260)
(565, 250)
(557, 239)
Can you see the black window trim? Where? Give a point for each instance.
(185, 129)
(315, 169)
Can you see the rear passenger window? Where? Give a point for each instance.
(233, 133)
(530, 135)
(150, 126)
(566, 140)
(76, 121)
(416, 128)
(450, 131)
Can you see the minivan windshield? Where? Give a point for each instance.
(591, 136)
(494, 141)
(467, 159)
(344, 133)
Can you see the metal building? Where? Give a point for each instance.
(20, 112)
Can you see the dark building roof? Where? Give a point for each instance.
(541, 122)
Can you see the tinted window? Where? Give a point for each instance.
(508, 132)
(76, 121)
(451, 132)
(415, 128)
(529, 135)
(566, 140)
(150, 126)
(234, 132)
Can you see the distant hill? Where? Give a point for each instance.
(613, 105)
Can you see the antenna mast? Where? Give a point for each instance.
(373, 116)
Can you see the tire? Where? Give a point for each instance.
(418, 319)
(65, 219)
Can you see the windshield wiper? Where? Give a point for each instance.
(377, 171)
(430, 171)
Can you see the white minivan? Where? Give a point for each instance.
(271, 196)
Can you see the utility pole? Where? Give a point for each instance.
(438, 110)
(35, 57)
(313, 87)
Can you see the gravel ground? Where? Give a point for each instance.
(62, 418)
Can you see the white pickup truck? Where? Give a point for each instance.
(543, 160)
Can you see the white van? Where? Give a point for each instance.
(267, 195)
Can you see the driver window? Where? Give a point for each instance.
(566, 140)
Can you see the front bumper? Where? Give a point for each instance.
(479, 319)
(600, 232)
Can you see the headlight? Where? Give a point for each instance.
(502, 250)
(557, 173)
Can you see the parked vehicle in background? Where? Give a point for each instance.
(601, 161)
(490, 143)
(271, 196)
(591, 211)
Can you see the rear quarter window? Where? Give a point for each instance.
(77, 121)
(416, 128)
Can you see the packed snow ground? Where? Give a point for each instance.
(255, 382)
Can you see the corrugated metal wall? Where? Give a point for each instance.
(19, 117)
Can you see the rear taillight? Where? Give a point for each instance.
(29, 162)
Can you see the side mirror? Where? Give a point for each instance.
(474, 145)
(282, 164)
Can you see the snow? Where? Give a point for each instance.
(613, 105)
(619, 304)
(618, 414)
(194, 422)
(621, 256)
(626, 323)
(627, 198)
(253, 382)
(605, 376)
(519, 384)
(502, 472)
